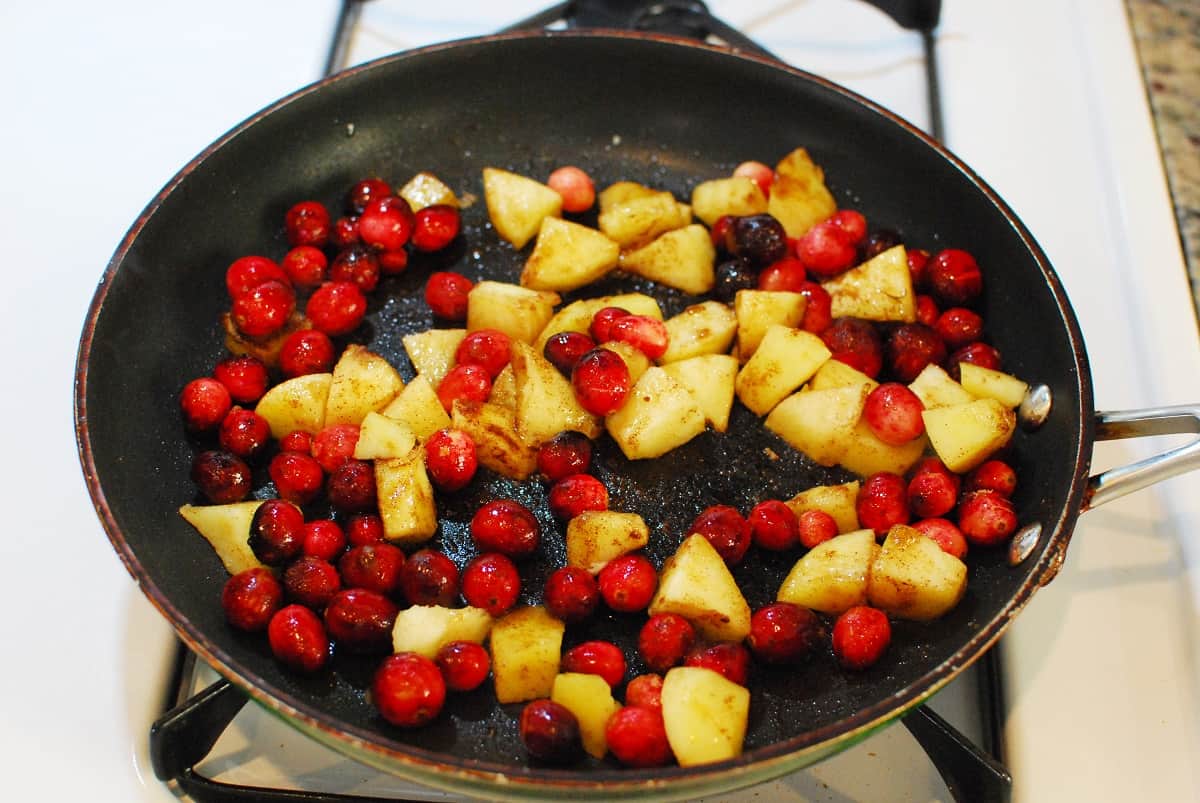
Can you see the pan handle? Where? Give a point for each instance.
(1116, 482)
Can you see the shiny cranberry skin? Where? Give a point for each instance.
(360, 196)
(323, 538)
(466, 382)
(246, 273)
(435, 227)
(927, 311)
(959, 326)
(911, 347)
(565, 454)
(451, 459)
(408, 689)
(824, 252)
(932, 494)
(856, 343)
(645, 691)
(446, 294)
(992, 475)
(637, 737)
(818, 308)
(429, 577)
(244, 377)
(386, 224)
(849, 225)
(344, 233)
(204, 402)
(576, 187)
(893, 413)
(306, 351)
(296, 441)
(816, 527)
(918, 262)
(879, 241)
(334, 445)
(758, 238)
(600, 328)
(507, 527)
(977, 353)
(490, 349)
(375, 567)
(571, 594)
(720, 232)
(360, 620)
(954, 277)
(221, 476)
(550, 732)
(364, 528)
(783, 633)
(491, 582)
(250, 598)
(787, 274)
(311, 581)
(733, 275)
(576, 493)
(276, 532)
(773, 525)
(759, 173)
(726, 529)
(883, 502)
(945, 534)
(628, 583)
(601, 658)
(602, 382)
(297, 477)
(305, 265)
(647, 335)
(307, 223)
(664, 640)
(860, 637)
(298, 639)
(336, 308)
(263, 309)
(563, 350)
(464, 665)
(727, 659)
(393, 263)
(358, 265)
(244, 432)
(986, 518)
(351, 487)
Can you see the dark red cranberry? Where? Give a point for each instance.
(954, 277)
(244, 432)
(277, 532)
(244, 377)
(734, 275)
(602, 381)
(783, 633)
(728, 659)
(296, 441)
(375, 567)
(637, 737)
(824, 252)
(601, 658)
(466, 382)
(364, 528)
(992, 475)
(628, 583)
(451, 459)
(664, 640)
(429, 577)
(323, 538)
(435, 227)
(726, 529)
(386, 224)
(645, 691)
(246, 273)
(298, 639)
(446, 294)
(344, 233)
(856, 343)
(986, 518)
(306, 266)
(818, 308)
(408, 689)
(720, 232)
(307, 223)
(360, 620)
(980, 354)
(959, 326)
(758, 238)
(393, 263)
(918, 262)
(911, 347)
(550, 732)
(263, 309)
(860, 637)
(773, 525)
(565, 454)
(221, 476)
(563, 350)
(576, 493)
(358, 265)
(250, 598)
(506, 526)
(647, 335)
(360, 196)
(600, 328)
(893, 413)
(464, 665)
(788, 274)
(306, 351)
(336, 308)
(491, 582)
(879, 241)
(816, 527)
(927, 311)
(334, 445)
(883, 502)
(204, 402)
(571, 594)
(351, 487)
(944, 534)
(311, 581)
(931, 494)
(297, 477)
(490, 349)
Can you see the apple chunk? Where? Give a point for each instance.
(839, 501)
(819, 423)
(696, 584)
(595, 537)
(834, 575)
(545, 400)
(406, 502)
(879, 289)
(519, 312)
(425, 629)
(526, 647)
(705, 715)
(914, 578)
(710, 378)
(704, 328)
(965, 435)
(659, 415)
(517, 204)
(296, 404)
(227, 530)
(785, 359)
(590, 699)
(567, 256)
(682, 258)
(363, 382)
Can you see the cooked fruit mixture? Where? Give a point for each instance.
(855, 350)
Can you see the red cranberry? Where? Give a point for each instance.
(244, 377)
(360, 620)
(728, 659)
(918, 262)
(860, 637)
(980, 354)
(336, 308)
(628, 583)
(783, 633)
(446, 294)
(758, 238)
(307, 223)
(263, 309)
(358, 265)
(334, 445)
(306, 351)
(773, 525)
(879, 241)
(565, 454)
(787, 275)
(351, 486)
(928, 312)
(883, 501)
(637, 737)
(466, 382)
(221, 476)
(726, 529)
(720, 231)
(550, 732)
(563, 350)
(911, 347)
(959, 326)
(932, 493)
(375, 567)
(601, 658)
(849, 225)
(893, 413)
(311, 581)
(245, 433)
(393, 263)
(986, 518)
(323, 538)
(296, 441)
(600, 329)
(818, 308)
(816, 527)
(490, 349)
(345, 232)
(297, 477)
(664, 640)
(759, 173)
(647, 335)
(856, 343)
(250, 598)
(298, 639)
(945, 534)
(364, 528)
(576, 188)
(386, 223)
(451, 459)
(408, 689)
(428, 577)
(644, 691)
(246, 273)
(205, 402)
(992, 475)
(276, 532)
(306, 266)
(954, 277)
(572, 495)
(464, 665)
(491, 582)
(571, 594)
(506, 526)
(364, 192)
(435, 227)
(824, 251)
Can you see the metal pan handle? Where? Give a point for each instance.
(1117, 482)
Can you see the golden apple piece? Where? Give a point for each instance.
(432, 352)
(837, 374)
(425, 189)
(759, 310)
(227, 530)
(545, 399)
(705, 328)
(380, 438)
(577, 316)
(965, 435)
(799, 198)
(935, 388)
(833, 576)
(425, 629)
(799, 164)
(819, 423)
(590, 699)
(914, 578)
(526, 647)
(635, 221)
(785, 359)
(519, 312)
(682, 258)
(363, 382)
(567, 256)
(405, 497)
(620, 192)
(517, 204)
(418, 407)
(696, 584)
(596, 537)
(296, 404)
(659, 415)
(987, 383)
(266, 348)
(711, 379)
(635, 359)
(504, 388)
(498, 445)
(705, 715)
(866, 454)
(879, 289)
(839, 501)
(737, 195)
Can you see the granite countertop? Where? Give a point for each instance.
(1167, 33)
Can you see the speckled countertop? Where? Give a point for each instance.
(1168, 41)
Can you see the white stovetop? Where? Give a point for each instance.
(104, 102)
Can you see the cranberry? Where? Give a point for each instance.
(336, 308)
(600, 329)
(816, 527)
(992, 475)
(567, 453)
(628, 583)
(601, 658)
(726, 529)
(408, 689)
(311, 581)
(645, 691)
(783, 633)
(250, 598)
(918, 262)
(451, 459)
(263, 309)
(720, 231)
(933, 464)
(466, 382)
(856, 343)
(664, 640)
(576, 493)
(375, 567)
(296, 441)
(571, 594)
(491, 582)
(506, 526)
(351, 486)
(360, 620)
(435, 227)
(550, 732)
(911, 347)
(773, 525)
(637, 737)
(364, 528)
(849, 226)
(360, 196)
(932, 493)
(490, 349)
(386, 223)
(954, 277)
(759, 173)
(358, 265)
(276, 532)
(647, 335)
(893, 413)
(576, 188)
(860, 636)
(244, 377)
(221, 476)
(824, 252)
(602, 381)
(298, 639)
(205, 402)
(945, 534)
(727, 659)
(563, 350)
(307, 223)
(879, 241)
(959, 326)
(732, 276)
(883, 501)
(345, 232)
(428, 577)
(244, 432)
(334, 445)
(928, 312)
(305, 265)
(446, 294)
(246, 273)
(787, 274)
(323, 538)
(464, 665)
(297, 477)
(818, 308)
(306, 351)
(759, 238)
(977, 353)
(393, 263)
(986, 518)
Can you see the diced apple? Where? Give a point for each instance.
(363, 382)
(682, 258)
(710, 378)
(635, 360)
(590, 699)
(819, 423)
(296, 404)
(965, 435)
(837, 374)
(227, 530)
(263, 348)
(517, 204)
(659, 415)
(987, 383)
(568, 255)
(633, 222)
(833, 576)
(405, 497)
(418, 407)
(799, 198)
(759, 310)
(425, 629)
(425, 189)
(704, 328)
(935, 388)
(577, 316)
(839, 501)
(785, 359)
(705, 715)
(504, 388)
(526, 647)
(914, 578)
(545, 400)
(620, 192)
(696, 584)
(519, 312)
(879, 289)
(380, 437)
(866, 454)
(736, 195)
(595, 537)
(498, 445)
(432, 352)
